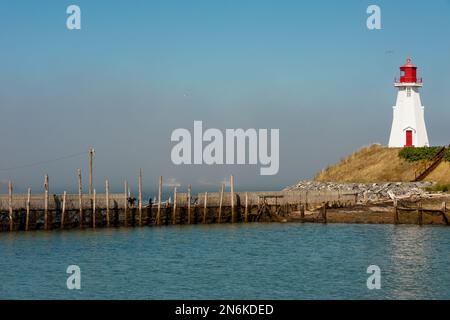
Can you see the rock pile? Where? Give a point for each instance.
(367, 191)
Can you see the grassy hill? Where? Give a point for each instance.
(381, 164)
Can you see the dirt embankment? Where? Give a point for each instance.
(380, 164)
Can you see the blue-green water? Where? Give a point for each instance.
(256, 261)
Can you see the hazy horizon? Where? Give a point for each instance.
(138, 70)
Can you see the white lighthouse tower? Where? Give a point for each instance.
(408, 125)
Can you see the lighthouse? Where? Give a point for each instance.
(408, 124)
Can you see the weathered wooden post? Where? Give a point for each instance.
(306, 199)
(107, 202)
(125, 198)
(205, 208)
(246, 208)
(158, 213)
(419, 214)
(222, 189)
(94, 204)
(174, 213)
(189, 203)
(91, 158)
(324, 212)
(140, 197)
(302, 212)
(46, 202)
(396, 218)
(27, 218)
(10, 205)
(80, 197)
(232, 199)
(63, 211)
(444, 210)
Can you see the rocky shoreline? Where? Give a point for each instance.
(369, 192)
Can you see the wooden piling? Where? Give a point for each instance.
(205, 208)
(306, 199)
(94, 198)
(222, 189)
(63, 211)
(246, 208)
(46, 202)
(91, 159)
(158, 213)
(10, 206)
(444, 215)
(189, 204)
(125, 186)
(396, 218)
(80, 197)
(233, 214)
(302, 212)
(419, 214)
(324, 212)
(107, 202)
(140, 197)
(27, 218)
(174, 212)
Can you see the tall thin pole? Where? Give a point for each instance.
(232, 199)
(140, 196)
(107, 201)
(189, 204)
(80, 197)
(46, 202)
(63, 213)
(222, 189)
(10, 204)
(91, 161)
(125, 198)
(94, 197)
(27, 219)
(174, 214)
(158, 214)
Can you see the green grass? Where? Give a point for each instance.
(447, 155)
(421, 154)
(439, 188)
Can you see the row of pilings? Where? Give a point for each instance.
(67, 211)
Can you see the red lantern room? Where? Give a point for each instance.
(408, 72)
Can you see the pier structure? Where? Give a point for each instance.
(44, 210)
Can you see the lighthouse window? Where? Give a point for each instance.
(408, 92)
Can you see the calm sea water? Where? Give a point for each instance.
(256, 261)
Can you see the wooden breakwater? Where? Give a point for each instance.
(420, 211)
(66, 211)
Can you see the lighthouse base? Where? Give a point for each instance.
(408, 124)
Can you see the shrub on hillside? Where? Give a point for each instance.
(447, 155)
(420, 154)
(439, 188)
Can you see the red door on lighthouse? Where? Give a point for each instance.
(409, 138)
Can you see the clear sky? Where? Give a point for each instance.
(137, 70)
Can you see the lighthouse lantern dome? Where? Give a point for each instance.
(408, 72)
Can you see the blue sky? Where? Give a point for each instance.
(137, 70)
